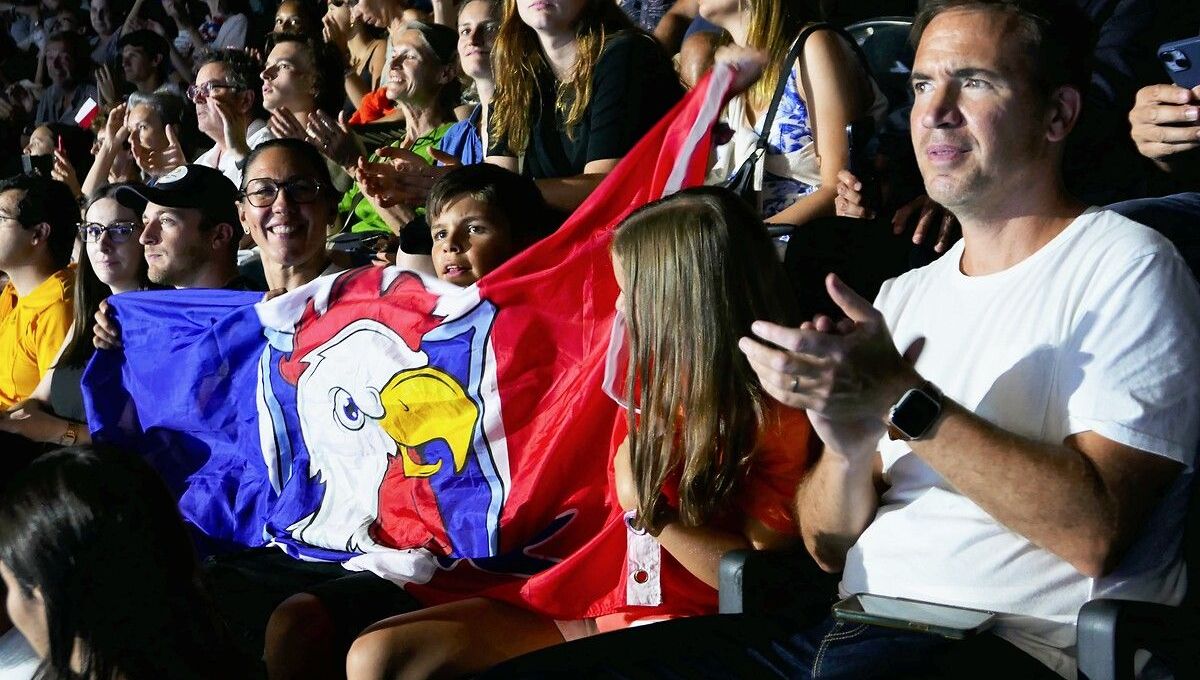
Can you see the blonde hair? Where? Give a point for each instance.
(774, 24)
(518, 61)
(699, 269)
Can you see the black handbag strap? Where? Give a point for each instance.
(786, 72)
(792, 56)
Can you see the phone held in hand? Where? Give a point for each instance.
(955, 623)
(40, 165)
(1182, 61)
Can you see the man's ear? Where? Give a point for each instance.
(223, 234)
(449, 73)
(40, 233)
(1065, 104)
(246, 101)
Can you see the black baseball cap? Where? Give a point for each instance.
(192, 186)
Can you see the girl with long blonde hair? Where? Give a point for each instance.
(577, 84)
(827, 88)
(706, 463)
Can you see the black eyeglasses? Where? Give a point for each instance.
(262, 192)
(118, 232)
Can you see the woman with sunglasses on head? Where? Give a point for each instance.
(110, 262)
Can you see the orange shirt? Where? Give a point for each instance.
(32, 329)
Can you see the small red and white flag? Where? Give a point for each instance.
(87, 113)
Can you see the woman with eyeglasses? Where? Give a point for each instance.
(111, 262)
(287, 206)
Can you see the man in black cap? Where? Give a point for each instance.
(191, 232)
(191, 229)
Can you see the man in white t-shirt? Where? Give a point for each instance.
(1040, 381)
(1045, 416)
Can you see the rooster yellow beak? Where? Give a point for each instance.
(422, 405)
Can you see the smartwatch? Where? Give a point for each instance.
(915, 413)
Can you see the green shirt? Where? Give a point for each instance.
(365, 217)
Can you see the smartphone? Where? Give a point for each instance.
(956, 623)
(1182, 61)
(858, 136)
(42, 164)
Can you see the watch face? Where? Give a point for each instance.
(915, 413)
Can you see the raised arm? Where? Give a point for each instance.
(674, 24)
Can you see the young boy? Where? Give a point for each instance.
(479, 217)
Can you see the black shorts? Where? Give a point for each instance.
(247, 586)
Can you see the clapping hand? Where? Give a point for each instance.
(284, 123)
(233, 125)
(846, 373)
(334, 138)
(106, 85)
(157, 162)
(407, 178)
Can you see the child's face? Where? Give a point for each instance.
(470, 239)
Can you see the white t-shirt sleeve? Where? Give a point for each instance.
(1131, 370)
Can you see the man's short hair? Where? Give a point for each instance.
(76, 47)
(515, 196)
(1058, 36)
(242, 71)
(50, 201)
(152, 44)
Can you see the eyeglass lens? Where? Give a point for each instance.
(262, 192)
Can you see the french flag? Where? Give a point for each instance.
(454, 440)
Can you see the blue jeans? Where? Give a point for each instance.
(743, 646)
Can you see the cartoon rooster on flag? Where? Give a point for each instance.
(396, 424)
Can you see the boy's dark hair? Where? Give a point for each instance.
(50, 201)
(244, 73)
(515, 196)
(153, 45)
(1058, 37)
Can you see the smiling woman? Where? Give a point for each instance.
(287, 205)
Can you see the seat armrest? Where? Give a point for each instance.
(1111, 631)
(771, 581)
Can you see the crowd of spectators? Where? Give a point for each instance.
(1004, 417)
